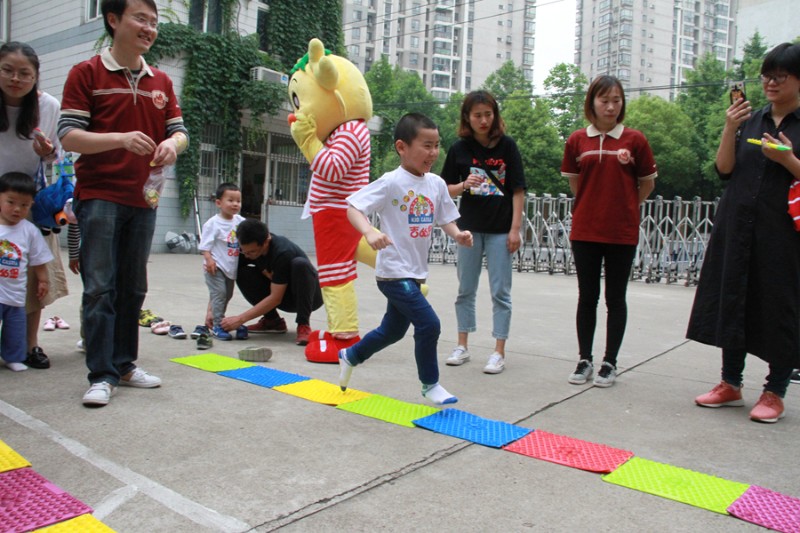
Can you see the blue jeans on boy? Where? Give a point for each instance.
(13, 344)
(406, 305)
(115, 247)
(498, 262)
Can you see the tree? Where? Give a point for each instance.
(505, 80)
(567, 85)
(395, 92)
(678, 164)
(529, 123)
(450, 118)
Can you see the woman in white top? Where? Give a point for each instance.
(24, 110)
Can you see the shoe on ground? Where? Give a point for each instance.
(99, 394)
(241, 333)
(266, 325)
(221, 334)
(15, 366)
(606, 376)
(60, 323)
(80, 347)
(141, 380)
(303, 333)
(176, 332)
(723, 395)
(37, 359)
(795, 376)
(255, 354)
(160, 327)
(200, 330)
(495, 365)
(768, 409)
(49, 325)
(582, 373)
(204, 341)
(459, 356)
(147, 317)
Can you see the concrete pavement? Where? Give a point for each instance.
(206, 453)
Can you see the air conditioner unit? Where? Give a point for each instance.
(266, 74)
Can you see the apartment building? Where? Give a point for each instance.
(273, 174)
(454, 45)
(651, 44)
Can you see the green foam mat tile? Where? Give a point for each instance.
(389, 409)
(84, 523)
(211, 362)
(319, 391)
(9, 459)
(679, 484)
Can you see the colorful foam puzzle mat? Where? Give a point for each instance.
(212, 362)
(84, 523)
(768, 508)
(568, 451)
(322, 392)
(30, 502)
(9, 459)
(389, 410)
(473, 428)
(265, 377)
(679, 484)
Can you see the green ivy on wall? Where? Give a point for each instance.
(216, 89)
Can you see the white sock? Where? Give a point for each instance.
(345, 369)
(16, 367)
(437, 394)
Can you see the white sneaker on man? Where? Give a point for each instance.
(141, 380)
(99, 394)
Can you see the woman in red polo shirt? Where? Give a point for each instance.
(611, 171)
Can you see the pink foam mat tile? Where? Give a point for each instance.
(767, 508)
(28, 501)
(569, 451)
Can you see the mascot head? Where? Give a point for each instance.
(330, 88)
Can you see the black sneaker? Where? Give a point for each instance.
(37, 359)
(795, 376)
(200, 330)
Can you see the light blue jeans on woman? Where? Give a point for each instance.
(498, 262)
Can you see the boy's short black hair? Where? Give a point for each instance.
(252, 231)
(223, 188)
(17, 182)
(409, 125)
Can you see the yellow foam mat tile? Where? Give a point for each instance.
(9, 459)
(84, 523)
(323, 392)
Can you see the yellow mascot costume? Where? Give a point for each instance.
(332, 104)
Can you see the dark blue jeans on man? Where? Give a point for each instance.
(406, 305)
(115, 247)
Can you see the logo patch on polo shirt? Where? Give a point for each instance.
(624, 156)
(159, 99)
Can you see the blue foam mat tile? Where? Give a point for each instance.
(473, 428)
(265, 377)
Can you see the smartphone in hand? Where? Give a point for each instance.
(737, 91)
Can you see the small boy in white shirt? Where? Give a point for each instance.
(220, 248)
(409, 200)
(21, 247)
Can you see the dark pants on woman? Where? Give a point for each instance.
(733, 368)
(302, 295)
(589, 259)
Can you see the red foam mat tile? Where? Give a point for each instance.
(568, 451)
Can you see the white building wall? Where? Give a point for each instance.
(775, 20)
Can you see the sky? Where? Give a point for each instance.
(555, 38)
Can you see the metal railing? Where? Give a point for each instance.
(673, 236)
